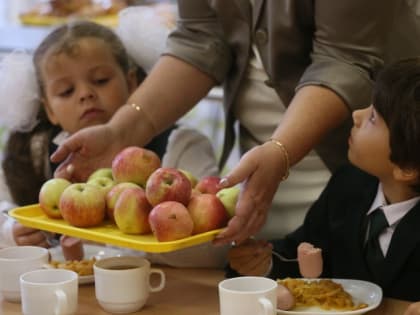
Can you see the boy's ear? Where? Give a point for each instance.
(50, 113)
(132, 80)
(405, 174)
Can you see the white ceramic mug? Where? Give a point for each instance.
(122, 284)
(14, 261)
(49, 292)
(248, 296)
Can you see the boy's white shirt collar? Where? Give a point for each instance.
(60, 137)
(393, 212)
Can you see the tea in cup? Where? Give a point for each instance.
(122, 284)
(248, 296)
(14, 261)
(49, 292)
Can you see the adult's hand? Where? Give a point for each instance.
(85, 151)
(261, 169)
(413, 309)
(28, 236)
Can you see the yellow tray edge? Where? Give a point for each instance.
(138, 242)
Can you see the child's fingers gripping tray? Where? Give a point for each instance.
(107, 232)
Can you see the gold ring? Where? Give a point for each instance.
(70, 169)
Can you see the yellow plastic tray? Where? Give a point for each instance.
(107, 233)
(108, 20)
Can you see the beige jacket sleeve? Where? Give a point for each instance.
(336, 44)
(348, 46)
(403, 41)
(199, 39)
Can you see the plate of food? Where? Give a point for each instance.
(83, 267)
(331, 296)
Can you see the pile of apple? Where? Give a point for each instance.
(141, 197)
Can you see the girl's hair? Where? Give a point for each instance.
(396, 97)
(26, 166)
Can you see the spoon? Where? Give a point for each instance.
(282, 258)
(276, 254)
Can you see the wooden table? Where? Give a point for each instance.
(187, 292)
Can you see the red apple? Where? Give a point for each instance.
(170, 221)
(168, 184)
(132, 210)
(83, 205)
(112, 196)
(208, 185)
(134, 164)
(207, 213)
(49, 196)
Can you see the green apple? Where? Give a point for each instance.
(193, 180)
(49, 196)
(101, 172)
(229, 198)
(105, 183)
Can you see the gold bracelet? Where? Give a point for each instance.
(286, 157)
(136, 107)
(140, 109)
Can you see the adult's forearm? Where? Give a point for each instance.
(171, 89)
(313, 112)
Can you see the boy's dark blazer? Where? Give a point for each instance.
(337, 222)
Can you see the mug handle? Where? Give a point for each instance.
(162, 280)
(62, 304)
(267, 306)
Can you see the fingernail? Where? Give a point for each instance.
(224, 182)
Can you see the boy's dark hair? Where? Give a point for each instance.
(25, 164)
(396, 97)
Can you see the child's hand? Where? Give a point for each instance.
(413, 309)
(251, 258)
(28, 236)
